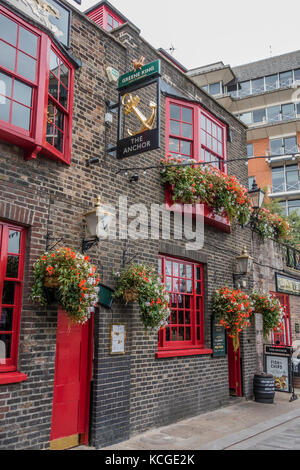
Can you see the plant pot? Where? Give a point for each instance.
(130, 295)
(51, 295)
(51, 282)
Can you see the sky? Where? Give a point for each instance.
(204, 32)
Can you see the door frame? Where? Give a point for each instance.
(85, 391)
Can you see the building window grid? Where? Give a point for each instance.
(284, 112)
(181, 141)
(58, 103)
(184, 282)
(285, 179)
(280, 80)
(185, 136)
(11, 281)
(15, 75)
(212, 142)
(284, 146)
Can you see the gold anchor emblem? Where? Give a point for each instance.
(130, 104)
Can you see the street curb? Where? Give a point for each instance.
(239, 436)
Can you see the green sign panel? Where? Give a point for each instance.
(218, 339)
(134, 76)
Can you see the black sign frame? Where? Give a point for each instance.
(285, 352)
(290, 278)
(145, 141)
(218, 339)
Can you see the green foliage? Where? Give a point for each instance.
(233, 309)
(77, 279)
(207, 185)
(271, 310)
(141, 283)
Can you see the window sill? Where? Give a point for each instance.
(12, 377)
(182, 353)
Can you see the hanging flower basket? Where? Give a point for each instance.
(140, 283)
(272, 226)
(271, 310)
(233, 309)
(74, 280)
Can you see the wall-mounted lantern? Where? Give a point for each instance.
(244, 264)
(98, 222)
(257, 196)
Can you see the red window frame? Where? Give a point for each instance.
(34, 141)
(10, 330)
(283, 338)
(197, 145)
(108, 26)
(186, 321)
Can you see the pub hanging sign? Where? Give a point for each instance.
(139, 109)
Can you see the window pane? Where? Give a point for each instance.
(274, 113)
(278, 180)
(54, 63)
(5, 85)
(258, 85)
(116, 23)
(259, 115)
(8, 30)
(294, 206)
(290, 145)
(8, 296)
(6, 318)
(187, 115)
(250, 152)
(59, 140)
(288, 111)
(63, 96)
(22, 93)
(297, 74)
(292, 178)
(175, 112)
(244, 88)
(187, 131)
(174, 145)
(285, 79)
(59, 120)
(64, 75)
(175, 127)
(21, 116)
(26, 66)
(28, 42)
(4, 108)
(246, 118)
(276, 147)
(215, 89)
(232, 90)
(53, 86)
(5, 347)
(271, 82)
(12, 268)
(7, 56)
(185, 148)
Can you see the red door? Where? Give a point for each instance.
(71, 384)
(234, 369)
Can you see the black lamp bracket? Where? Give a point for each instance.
(88, 243)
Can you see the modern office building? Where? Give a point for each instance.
(265, 95)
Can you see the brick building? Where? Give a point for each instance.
(54, 164)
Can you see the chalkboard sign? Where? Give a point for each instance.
(218, 339)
